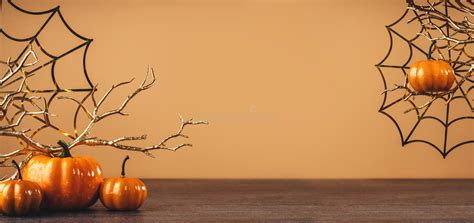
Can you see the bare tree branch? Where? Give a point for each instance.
(95, 117)
(17, 98)
(15, 68)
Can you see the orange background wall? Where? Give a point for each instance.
(289, 87)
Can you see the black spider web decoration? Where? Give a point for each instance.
(51, 62)
(455, 53)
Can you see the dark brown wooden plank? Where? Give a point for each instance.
(291, 200)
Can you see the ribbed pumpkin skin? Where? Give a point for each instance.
(20, 198)
(123, 194)
(429, 76)
(69, 183)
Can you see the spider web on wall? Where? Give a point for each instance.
(49, 61)
(458, 55)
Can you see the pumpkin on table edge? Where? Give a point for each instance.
(122, 193)
(429, 76)
(68, 183)
(20, 197)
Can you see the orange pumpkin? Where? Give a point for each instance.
(20, 197)
(68, 183)
(121, 193)
(428, 76)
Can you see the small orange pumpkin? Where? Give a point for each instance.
(20, 197)
(121, 193)
(68, 183)
(428, 76)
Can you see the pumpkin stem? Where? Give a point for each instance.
(123, 165)
(66, 152)
(430, 51)
(20, 177)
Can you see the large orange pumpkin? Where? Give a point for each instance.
(428, 76)
(122, 193)
(67, 182)
(20, 197)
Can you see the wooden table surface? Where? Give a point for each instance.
(289, 201)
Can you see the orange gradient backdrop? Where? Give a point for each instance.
(289, 87)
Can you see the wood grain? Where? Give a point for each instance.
(289, 201)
